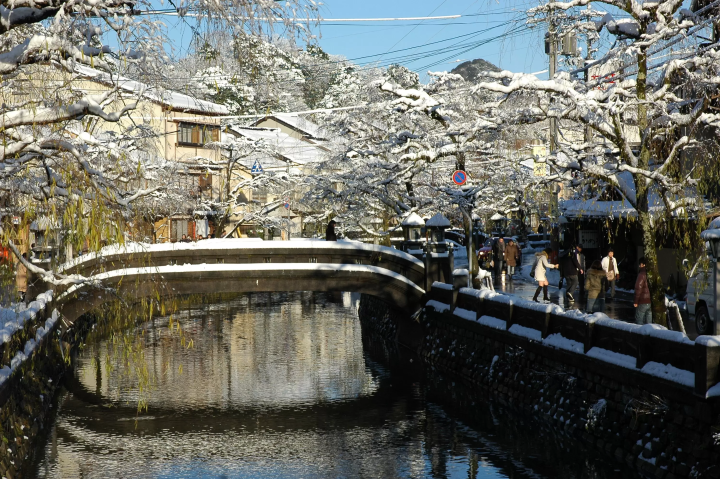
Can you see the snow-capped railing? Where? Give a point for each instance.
(134, 255)
(23, 328)
(241, 251)
(649, 349)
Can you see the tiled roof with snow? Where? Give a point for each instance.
(299, 123)
(295, 150)
(173, 99)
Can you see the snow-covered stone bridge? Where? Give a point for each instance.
(238, 265)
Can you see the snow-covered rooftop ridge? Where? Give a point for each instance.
(236, 243)
(438, 221)
(413, 219)
(299, 123)
(291, 148)
(173, 99)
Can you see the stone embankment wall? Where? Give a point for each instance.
(34, 358)
(641, 395)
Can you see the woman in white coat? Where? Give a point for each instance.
(540, 268)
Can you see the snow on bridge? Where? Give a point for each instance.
(238, 265)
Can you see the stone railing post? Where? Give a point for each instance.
(707, 363)
(589, 329)
(426, 258)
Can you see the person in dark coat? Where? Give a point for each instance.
(570, 271)
(642, 303)
(330, 232)
(498, 257)
(583, 272)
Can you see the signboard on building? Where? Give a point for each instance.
(540, 169)
(539, 152)
(589, 239)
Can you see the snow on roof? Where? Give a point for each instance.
(298, 123)
(413, 219)
(497, 217)
(438, 221)
(294, 150)
(173, 99)
(594, 208)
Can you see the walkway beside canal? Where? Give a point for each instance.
(620, 308)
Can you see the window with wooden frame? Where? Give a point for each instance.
(196, 134)
(205, 183)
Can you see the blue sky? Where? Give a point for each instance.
(487, 29)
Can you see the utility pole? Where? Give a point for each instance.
(552, 39)
(588, 57)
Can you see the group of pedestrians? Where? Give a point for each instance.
(596, 282)
(187, 239)
(506, 255)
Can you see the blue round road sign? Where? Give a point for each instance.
(287, 206)
(459, 177)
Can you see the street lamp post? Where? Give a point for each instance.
(376, 225)
(712, 236)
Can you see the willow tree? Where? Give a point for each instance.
(644, 110)
(58, 158)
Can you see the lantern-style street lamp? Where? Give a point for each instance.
(712, 236)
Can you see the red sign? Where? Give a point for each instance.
(459, 177)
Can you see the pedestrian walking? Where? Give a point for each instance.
(642, 303)
(583, 271)
(539, 272)
(330, 232)
(498, 257)
(570, 270)
(512, 255)
(595, 280)
(609, 265)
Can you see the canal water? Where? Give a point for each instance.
(280, 386)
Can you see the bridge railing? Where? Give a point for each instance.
(668, 356)
(242, 251)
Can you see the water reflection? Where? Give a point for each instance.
(277, 386)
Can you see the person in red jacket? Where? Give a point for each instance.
(643, 311)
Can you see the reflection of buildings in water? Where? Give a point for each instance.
(258, 349)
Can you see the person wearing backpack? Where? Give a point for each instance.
(539, 271)
(595, 281)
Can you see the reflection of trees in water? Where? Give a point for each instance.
(260, 348)
(233, 411)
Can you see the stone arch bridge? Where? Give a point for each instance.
(239, 265)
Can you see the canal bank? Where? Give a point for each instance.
(655, 424)
(281, 385)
